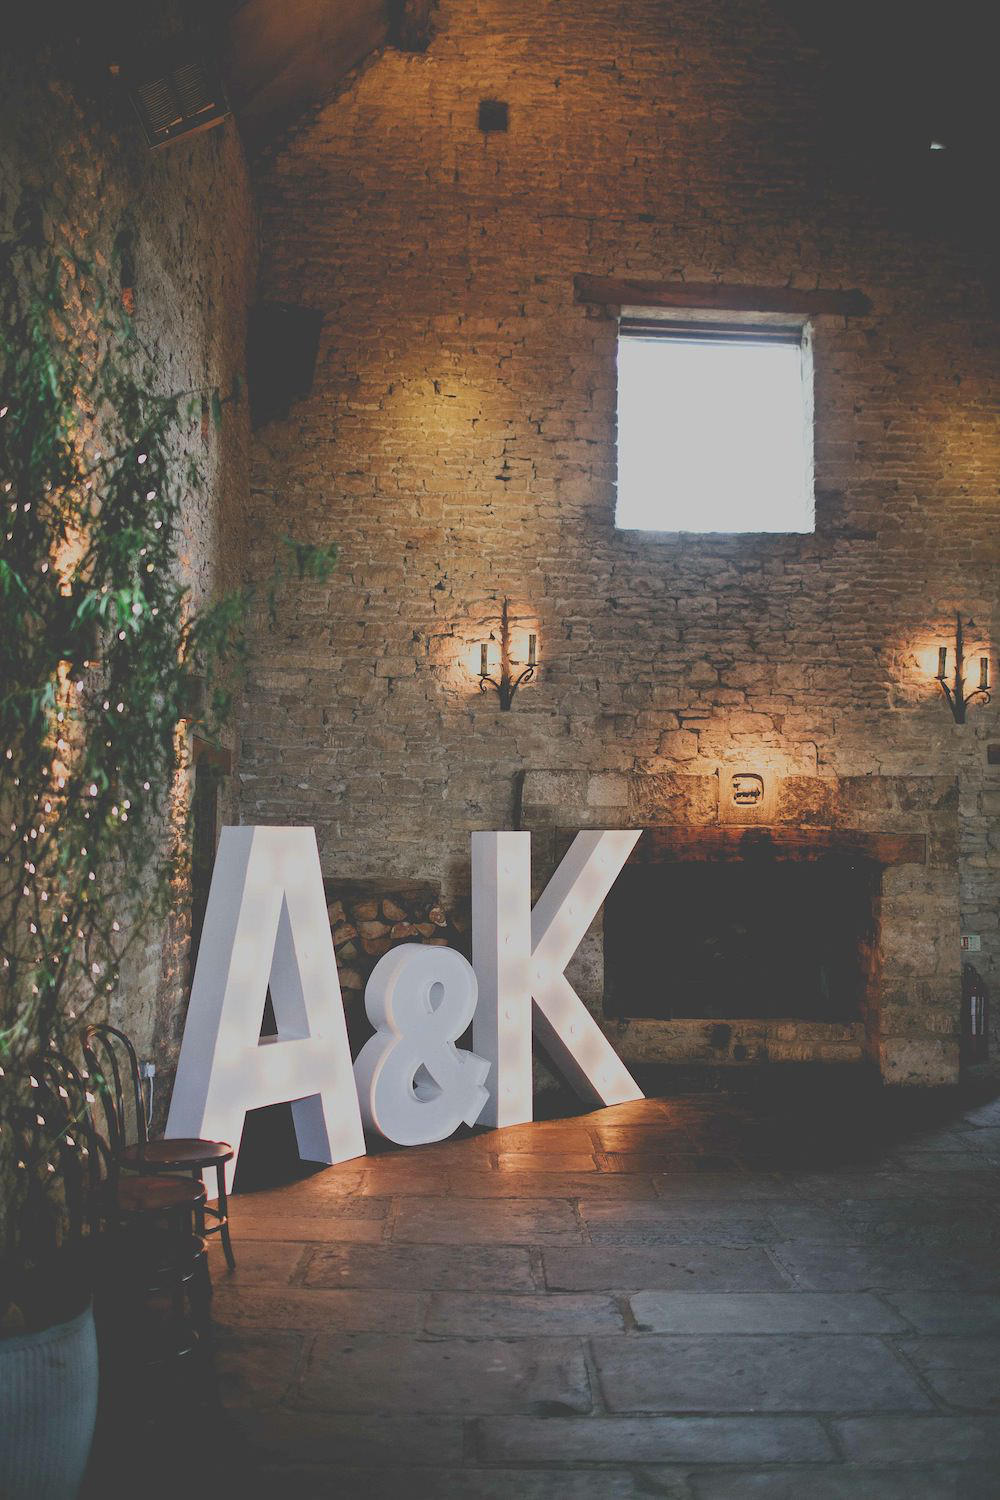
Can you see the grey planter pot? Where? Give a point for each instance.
(48, 1407)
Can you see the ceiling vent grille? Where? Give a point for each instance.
(188, 98)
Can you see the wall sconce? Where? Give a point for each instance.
(958, 698)
(508, 684)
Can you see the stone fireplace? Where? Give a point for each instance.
(763, 918)
(741, 929)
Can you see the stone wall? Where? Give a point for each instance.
(75, 165)
(459, 442)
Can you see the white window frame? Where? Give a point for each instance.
(699, 326)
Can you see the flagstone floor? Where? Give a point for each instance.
(783, 1292)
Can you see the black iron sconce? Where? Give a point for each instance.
(958, 698)
(508, 684)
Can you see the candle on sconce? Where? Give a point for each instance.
(956, 696)
(505, 662)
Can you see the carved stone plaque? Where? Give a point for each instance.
(745, 796)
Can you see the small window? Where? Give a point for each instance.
(714, 427)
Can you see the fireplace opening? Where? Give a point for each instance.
(760, 938)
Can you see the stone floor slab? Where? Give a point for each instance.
(312, 1311)
(471, 1377)
(465, 1221)
(849, 1268)
(763, 1312)
(921, 1440)
(877, 1221)
(696, 1208)
(667, 1163)
(566, 1162)
(962, 1370)
(844, 1483)
(673, 1268)
(712, 1440)
(501, 1315)
(307, 1199)
(444, 1267)
(966, 1187)
(662, 1373)
(385, 1440)
(257, 1367)
(724, 1188)
(313, 1228)
(619, 1187)
(655, 1137)
(268, 1262)
(473, 1484)
(948, 1312)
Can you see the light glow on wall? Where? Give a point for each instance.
(713, 437)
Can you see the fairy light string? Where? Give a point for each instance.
(101, 649)
(103, 653)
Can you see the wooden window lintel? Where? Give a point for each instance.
(614, 291)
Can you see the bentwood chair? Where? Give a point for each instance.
(135, 1232)
(114, 1067)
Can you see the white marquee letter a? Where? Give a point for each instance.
(519, 954)
(266, 925)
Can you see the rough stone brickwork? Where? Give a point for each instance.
(74, 156)
(459, 442)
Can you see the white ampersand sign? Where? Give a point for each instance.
(414, 1085)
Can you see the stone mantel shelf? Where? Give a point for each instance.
(634, 799)
(680, 844)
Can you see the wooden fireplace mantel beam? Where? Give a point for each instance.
(718, 296)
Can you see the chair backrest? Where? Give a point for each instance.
(64, 1139)
(114, 1077)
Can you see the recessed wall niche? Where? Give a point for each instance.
(758, 938)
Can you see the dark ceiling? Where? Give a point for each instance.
(897, 75)
(910, 105)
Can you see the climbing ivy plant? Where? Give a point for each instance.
(103, 657)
